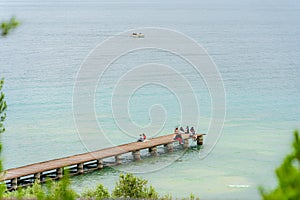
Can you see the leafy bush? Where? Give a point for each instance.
(29, 192)
(52, 191)
(61, 190)
(130, 186)
(99, 193)
(288, 175)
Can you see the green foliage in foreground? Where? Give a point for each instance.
(288, 175)
(130, 186)
(5, 28)
(127, 187)
(52, 191)
(8, 26)
(99, 193)
(3, 107)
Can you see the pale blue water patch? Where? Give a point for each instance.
(254, 44)
(144, 102)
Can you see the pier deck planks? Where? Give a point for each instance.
(86, 157)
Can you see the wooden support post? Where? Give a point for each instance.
(37, 177)
(186, 143)
(153, 151)
(169, 147)
(99, 163)
(118, 159)
(136, 155)
(59, 172)
(80, 168)
(200, 140)
(14, 183)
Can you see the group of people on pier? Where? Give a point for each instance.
(177, 134)
(178, 131)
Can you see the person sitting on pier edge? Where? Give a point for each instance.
(141, 139)
(187, 130)
(177, 136)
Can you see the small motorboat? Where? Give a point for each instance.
(137, 35)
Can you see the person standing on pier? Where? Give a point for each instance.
(193, 133)
(187, 130)
(181, 130)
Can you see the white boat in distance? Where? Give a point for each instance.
(137, 35)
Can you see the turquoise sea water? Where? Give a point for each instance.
(254, 44)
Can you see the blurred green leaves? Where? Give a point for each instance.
(52, 191)
(97, 194)
(8, 26)
(288, 175)
(3, 107)
(130, 186)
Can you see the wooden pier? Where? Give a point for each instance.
(82, 163)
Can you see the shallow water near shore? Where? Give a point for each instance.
(254, 44)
